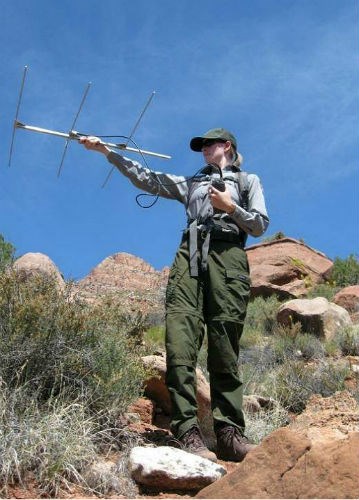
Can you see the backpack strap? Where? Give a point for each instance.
(192, 186)
(243, 187)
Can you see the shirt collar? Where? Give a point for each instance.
(209, 169)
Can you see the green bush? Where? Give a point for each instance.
(326, 290)
(295, 381)
(348, 340)
(345, 272)
(68, 372)
(155, 337)
(309, 347)
(56, 344)
(51, 444)
(7, 252)
(261, 315)
(290, 343)
(279, 235)
(259, 425)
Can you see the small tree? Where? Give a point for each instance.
(345, 272)
(7, 252)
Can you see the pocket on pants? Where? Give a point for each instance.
(238, 286)
(234, 274)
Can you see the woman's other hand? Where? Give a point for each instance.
(221, 200)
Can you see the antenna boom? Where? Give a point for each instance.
(73, 135)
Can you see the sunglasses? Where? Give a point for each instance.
(209, 142)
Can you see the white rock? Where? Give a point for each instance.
(169, 468)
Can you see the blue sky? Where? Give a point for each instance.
(282, 75)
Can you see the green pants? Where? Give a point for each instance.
(216, 302)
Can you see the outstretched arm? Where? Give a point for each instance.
(156, 183)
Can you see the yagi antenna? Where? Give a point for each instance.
(73, 135)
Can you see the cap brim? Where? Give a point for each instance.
(196, 144)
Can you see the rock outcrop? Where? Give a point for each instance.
(132, 279)
(317, 456)
(317, 316)
(38, 264)
(348, 298)
(286, 267)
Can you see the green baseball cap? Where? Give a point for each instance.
(222, 134)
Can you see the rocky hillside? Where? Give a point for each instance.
(286, 267)
(135, 282)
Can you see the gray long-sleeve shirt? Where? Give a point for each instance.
(253, 220)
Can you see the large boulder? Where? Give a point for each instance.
(348, 298)
(38, 264)
(317, 456)
(286, 267)
(317, 316)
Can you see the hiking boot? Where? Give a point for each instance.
(231, 444)
(192, 442)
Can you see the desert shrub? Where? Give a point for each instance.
(70, 371)
(259, 425)
(290, 343)
(332, 348)
(154, 337)
(345, 272)
(53, 444)
(309, 347)
(326, 290)
(283, 341)
(295, 381)
(254, 364)
(348, 340)
(7, 252)
(55, 344)
(261, 315)
(251, 337)
(156, 318)
(279, 235)
(284, 349)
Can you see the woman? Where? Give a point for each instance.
(208, 287)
